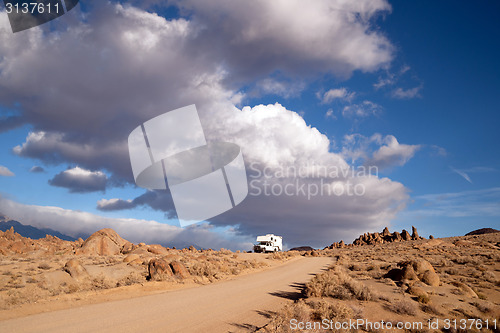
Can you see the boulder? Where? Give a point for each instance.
(104, 242)
(74, 268)
(465, 289)
(417, 291)
(431, 237)
(131, 257)
(179, 269)
(430, 278)
(159, 270)
(386, 232)
(157, 249)
(421, 266)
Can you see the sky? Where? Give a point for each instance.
(407, 90)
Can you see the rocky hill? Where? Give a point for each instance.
(482, 231)
(379, 238)
(30, 231)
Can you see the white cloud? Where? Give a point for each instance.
(79, 180)
(37, 169)
(121, 66)
(340, 93)
(392, 153)
(377, 150)
(406, 93)
(464, 173)
(361, 110)
(329, 114)
(77, 223)
(281, 88)
(4, 171)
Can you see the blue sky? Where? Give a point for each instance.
(417, 96)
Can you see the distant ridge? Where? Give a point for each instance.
(302, 248)
(482, 231)
(29, 231)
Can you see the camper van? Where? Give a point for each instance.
(268, 243)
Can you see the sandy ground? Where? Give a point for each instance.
(238, 305)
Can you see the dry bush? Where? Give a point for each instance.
(490, 276)
(132, 278)
(403, 307)
(431, 309)
(102, 282)
(337, 283)
(280, 322)
(44, 266)
(283, 255)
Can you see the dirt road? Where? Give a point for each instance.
(238, 305)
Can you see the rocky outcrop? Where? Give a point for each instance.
(13, 243)
(379, 238)
(74, 268)
(161, 270)
(104, 242)
(414, 270)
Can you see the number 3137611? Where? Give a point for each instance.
(32, 8)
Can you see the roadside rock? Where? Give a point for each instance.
(159, 270)
(179, 269)
(74, 268)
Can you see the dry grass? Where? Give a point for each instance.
(337, 283)
(404, 307)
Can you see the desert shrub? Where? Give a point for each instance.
(44, 265)
(452, 271)
(431, 309)
(423, 299)
(484, 307)
(403, 307)
(325, 310)
(280, 321)
(490, 276)
(101, 282)
(337, 283)
(132, 278)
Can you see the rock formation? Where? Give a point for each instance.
(160, 270)
(379, 238)
(104, 242)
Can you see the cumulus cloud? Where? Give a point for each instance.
(4, 171)
(79, 180)
(290, 35)
(392, 153)
(121, 66)
(77, 224)
(333, 94)
(383, 152)
(37, 169)
(276, 141)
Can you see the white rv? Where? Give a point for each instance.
(268, 243)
